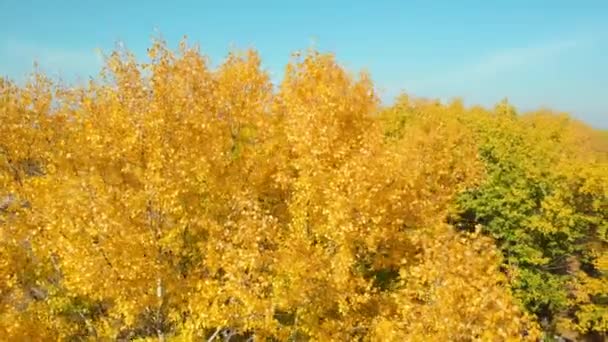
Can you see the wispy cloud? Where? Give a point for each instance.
(61, 60)
(507, 60)
(501, 62)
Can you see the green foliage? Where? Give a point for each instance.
(544, 201)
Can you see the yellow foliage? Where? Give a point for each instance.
(171, 200)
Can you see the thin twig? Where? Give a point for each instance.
(215, 334)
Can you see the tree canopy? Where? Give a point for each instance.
(172, 201)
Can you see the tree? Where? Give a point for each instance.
(544, 202)
(172, 201)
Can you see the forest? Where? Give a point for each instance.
(169, 200)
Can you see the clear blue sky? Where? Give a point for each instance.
(537, 53)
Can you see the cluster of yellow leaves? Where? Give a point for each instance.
(174, 201)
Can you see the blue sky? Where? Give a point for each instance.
(537, 53)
